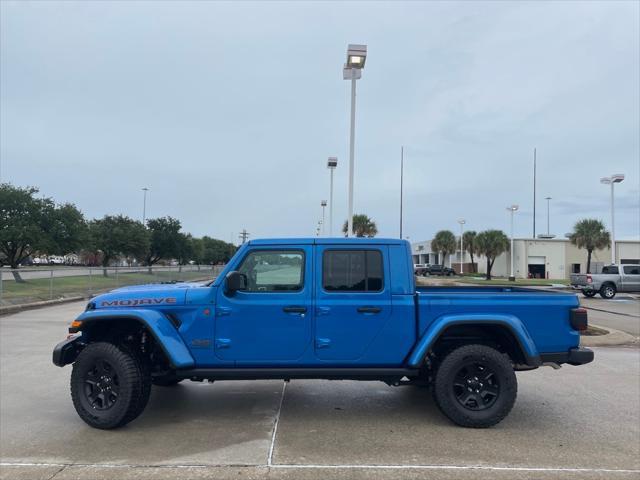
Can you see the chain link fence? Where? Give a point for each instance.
(30, 285)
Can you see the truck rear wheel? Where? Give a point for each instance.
(475, 386)
(608, 291)
(109, 386)
(589, 293)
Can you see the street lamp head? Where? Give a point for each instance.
(323, 203)
(617, 178)
(513, 208)
(332, 162)
(462, 221)
(547, 198)
(605, 180)
(356, 56)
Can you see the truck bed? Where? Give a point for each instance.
(544, 313)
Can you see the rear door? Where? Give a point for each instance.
(631, 278)
(353, 300)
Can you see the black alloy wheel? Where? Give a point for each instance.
(476, 386)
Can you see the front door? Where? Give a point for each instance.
(353, 301)
(270, 321)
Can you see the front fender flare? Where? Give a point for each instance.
(158, 325)
(511, 322)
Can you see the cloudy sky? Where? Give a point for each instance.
(228, 111)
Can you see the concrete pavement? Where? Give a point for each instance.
(578, 422)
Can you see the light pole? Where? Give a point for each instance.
(356, 56)
(144, 206)
(513, 209)
(332, 163)
(461, 222)
(548, 199)
(612, 180)
(323, 204)
(401, 185)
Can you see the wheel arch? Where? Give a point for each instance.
(507, 330)
(100, 325)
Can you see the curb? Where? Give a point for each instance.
(8, 309)
(613, 338)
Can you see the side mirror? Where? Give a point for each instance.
(235, 281)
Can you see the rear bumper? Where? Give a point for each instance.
(575, 356)
(67, 351)
(588, 286)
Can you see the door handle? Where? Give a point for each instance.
(294, 309)
(369, 310)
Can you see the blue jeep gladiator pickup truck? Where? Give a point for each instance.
(319, 309)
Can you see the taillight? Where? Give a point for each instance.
(579, 319)
(589, 279)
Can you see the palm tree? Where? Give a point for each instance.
(469, 245)
(491, 243)
(445, 242)
(590, 233)
(363, 226)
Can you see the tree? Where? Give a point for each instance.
(591, 234)
(491, 243)
(186, 248)
(117, 236)
(216, 251)
(363, 226)
(469, 245)
(444, 241)
(29, 224)
(164, 240)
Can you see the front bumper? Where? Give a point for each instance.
(67, 351)
(575, 356)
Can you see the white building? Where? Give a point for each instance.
(537, 258)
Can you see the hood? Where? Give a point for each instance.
(137, 296)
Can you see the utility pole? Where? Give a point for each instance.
(534, 193)
(144, 206)
(244, 235)
(401, 182)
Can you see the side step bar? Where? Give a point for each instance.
(296, 373)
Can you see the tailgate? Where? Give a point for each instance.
(578, 279)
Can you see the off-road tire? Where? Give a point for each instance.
(126, 372)
(608, 291)
(449, 394)
(589, 293)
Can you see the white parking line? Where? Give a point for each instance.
(275, 427)
(338, 467)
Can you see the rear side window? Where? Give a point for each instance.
(612, 270)
(631, 270)
(352, 271)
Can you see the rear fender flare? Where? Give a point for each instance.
(165, 334)
(510, 322)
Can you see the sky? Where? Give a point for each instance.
(227, 112)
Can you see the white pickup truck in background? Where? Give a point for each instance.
(612, 279)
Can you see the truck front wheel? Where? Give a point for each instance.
(109, 387)
(475, 386)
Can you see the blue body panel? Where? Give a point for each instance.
(248, 329)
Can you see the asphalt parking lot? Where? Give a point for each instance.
(572, 423)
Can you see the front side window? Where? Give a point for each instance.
(352, 271)
(273, 271)
(632, 270)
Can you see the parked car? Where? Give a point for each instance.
(613, 279)
(340, 309)
(421, 269)
(441, 270)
